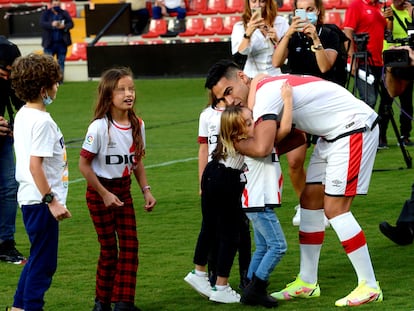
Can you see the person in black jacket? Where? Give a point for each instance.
(8, 185)
(56, 38)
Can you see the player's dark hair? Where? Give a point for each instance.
(223, 68)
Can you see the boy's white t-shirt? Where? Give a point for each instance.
(36, 134)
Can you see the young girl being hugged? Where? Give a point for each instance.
(113, 150)
(222, 185)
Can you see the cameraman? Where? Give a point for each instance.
(402, 21)
(396, 80)
(8, 185)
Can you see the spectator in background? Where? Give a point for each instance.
(257, 34)
(402, 16)
(165, 7)
(56, 23)
(313, 50)
(366, 17)
(139, 15)
(8, 185)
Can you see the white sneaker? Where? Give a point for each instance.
(296, 218)
(228, 295)
(200, 283)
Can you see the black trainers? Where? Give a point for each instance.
(401, 235)
(10, 254)
(125, 306)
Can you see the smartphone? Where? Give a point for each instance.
(254, 10)
(302, 14)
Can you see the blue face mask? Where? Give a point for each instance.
(312, 17)
(47, 100)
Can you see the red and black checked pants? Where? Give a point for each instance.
(117, 235)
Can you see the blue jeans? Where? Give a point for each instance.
(36, 277)
(156, 12)
(60, 50)
(8, 190)
(270, 243)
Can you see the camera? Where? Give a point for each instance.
(396, 57)
(361, 41)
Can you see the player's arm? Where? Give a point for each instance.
(261, 144)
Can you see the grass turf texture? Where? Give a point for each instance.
(168, 235)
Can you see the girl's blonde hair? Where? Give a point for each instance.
(232, 128)
(107, 85)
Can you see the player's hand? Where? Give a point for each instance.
(4, 127)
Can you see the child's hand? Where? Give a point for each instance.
(59, 211)
(111, 200)
(149, 201)
(286, 91)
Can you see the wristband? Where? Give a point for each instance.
(145, 188)
(246, 36)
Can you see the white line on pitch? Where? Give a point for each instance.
(147, 167)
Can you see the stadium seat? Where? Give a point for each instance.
(331, 4)
(287, 6)
(235, 5)
(333, 17)
(213, 25)
(196, 6)
(157, 27)
(194, 26)
(344, 4)
(214, 7)
(78, 51)
(155, 41)
(69, 6)
(228, 22)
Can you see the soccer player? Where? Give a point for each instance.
(348, 142)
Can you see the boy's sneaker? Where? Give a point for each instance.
(200, 283)
(228, 295)
(360, 295)
(9, 253)
(298, 289)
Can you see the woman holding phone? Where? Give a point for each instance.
(257, 35)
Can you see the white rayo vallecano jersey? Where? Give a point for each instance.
(320, 107)
(264, 175)
(264, 182)
(113, 148)
(209, 127)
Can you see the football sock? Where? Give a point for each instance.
(311, 235)
(353, 240)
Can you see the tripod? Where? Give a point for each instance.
(389, 113)
(365, 56)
